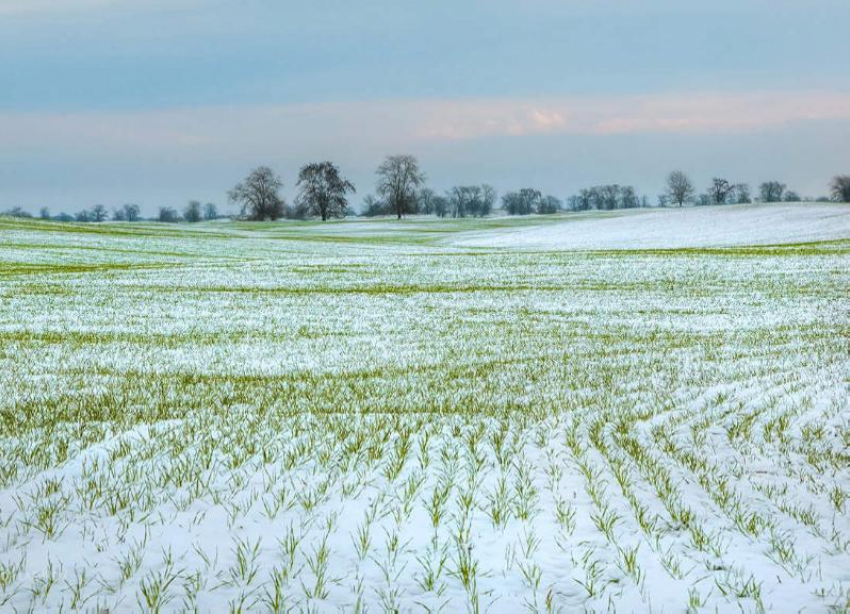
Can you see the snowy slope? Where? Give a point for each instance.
(674, 228)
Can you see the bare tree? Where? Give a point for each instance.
(791, 197)
(425, 201)
(83, 216)
(720, 191)
(628, 198)
(399, 177)
(192, 212)
(372, 207)
(471, 200)
(680, 189)
(127, 213)
(606, 197)
(549, 204)
(772, 191)
(323, 190)
(461, 200)
(524, 202)
(581, 201)
(17, 212)
(441, 206)
(168, 215)
(44, 213)
(98, 213)
(258, 197)
(210, 211)
(489, 196)
(131, 212)
(742, 194)
(840, 188)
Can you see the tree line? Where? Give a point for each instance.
(681, 191)
(400, 189)
(193, 212)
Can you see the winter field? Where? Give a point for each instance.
(642, 412)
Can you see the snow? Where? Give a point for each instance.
(731, 225)
(219, 417)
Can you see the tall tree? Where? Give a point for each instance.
(840, 188)
(772, 191)
(44, 213)
(399, 177)
(258, 195)
(680, 189)
(210, 211)
(323, 190)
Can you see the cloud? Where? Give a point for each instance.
(382, 124)
(666, 113)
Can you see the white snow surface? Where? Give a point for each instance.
(264, 419)
(732, 225)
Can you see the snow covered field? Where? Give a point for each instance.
(417, 417)
(686, 227)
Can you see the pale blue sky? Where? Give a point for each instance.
(158, 101)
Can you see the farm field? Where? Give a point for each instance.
(573, 414)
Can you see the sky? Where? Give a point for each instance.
(157, 102)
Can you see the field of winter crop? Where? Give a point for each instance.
(427, 416)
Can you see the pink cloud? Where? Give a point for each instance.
(695, 113)
(379, 125)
